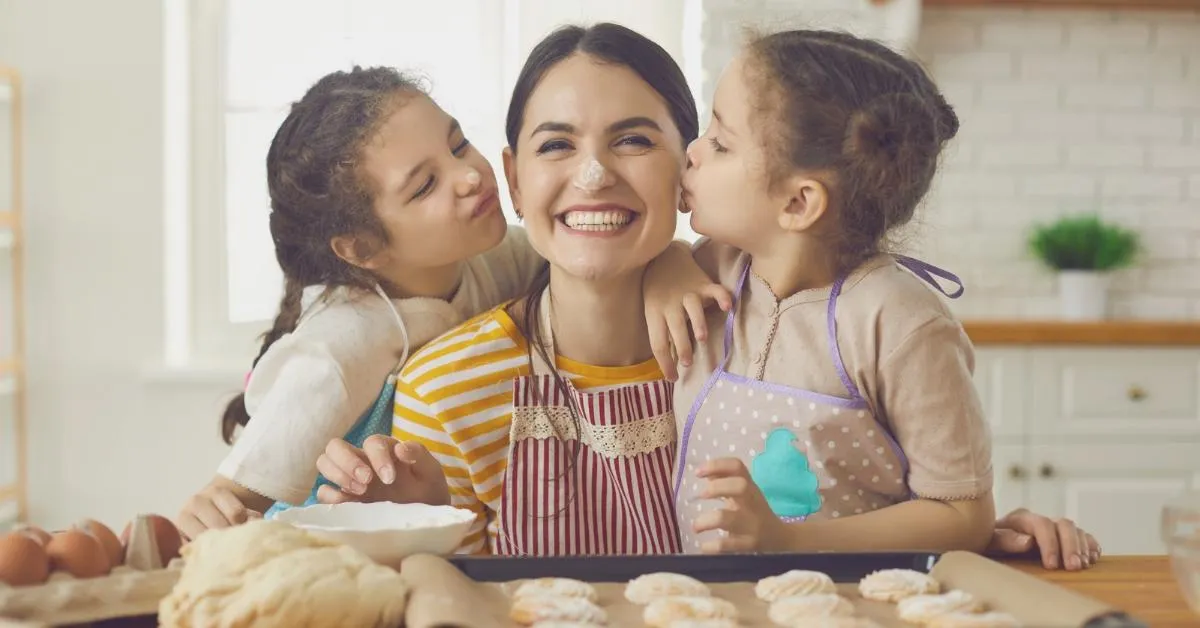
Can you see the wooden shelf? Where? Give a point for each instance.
(1104, 333)
(1128, 5)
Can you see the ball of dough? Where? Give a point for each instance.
(266, 573)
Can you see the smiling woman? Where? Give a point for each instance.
(549, 416)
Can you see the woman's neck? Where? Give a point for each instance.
(439, 282)
(795, 265)
(600, 323)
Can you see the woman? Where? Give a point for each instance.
(571, 455)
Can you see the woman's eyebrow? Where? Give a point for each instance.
(616, 127)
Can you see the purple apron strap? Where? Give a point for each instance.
(927, 271)
(737, 296)
(835, 353)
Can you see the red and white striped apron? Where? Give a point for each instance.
(602, 486)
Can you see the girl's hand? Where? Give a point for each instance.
(746, 522)
(676, 291)
(215, 506)
(385, 469)
(1059, 541)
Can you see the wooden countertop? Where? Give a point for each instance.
(1101, 333)
(1142, 586)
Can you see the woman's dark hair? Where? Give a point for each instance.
(318, 192)
(862, 114)
(609, 44)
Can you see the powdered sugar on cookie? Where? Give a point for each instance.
(893, 585)
(795, 582)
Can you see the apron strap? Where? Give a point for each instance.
(737, 297)
(835, 352)
(927, 271)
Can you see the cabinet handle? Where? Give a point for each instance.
(1136, 393)
(1046, 471)
(1016, 472)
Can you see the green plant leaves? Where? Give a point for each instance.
(1084, 242)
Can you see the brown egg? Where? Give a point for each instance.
(112, 545)
(79, 554)
(35, 533)
(23, 561)
(166, 537)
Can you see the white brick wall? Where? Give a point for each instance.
(1062, 111)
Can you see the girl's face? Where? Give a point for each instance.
(434, 193)
(727, 183)
(596, 170)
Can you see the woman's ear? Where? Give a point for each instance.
(808, 199)
(509, 159)
(357, 252)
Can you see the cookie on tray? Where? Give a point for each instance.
(794, 582)
(893, 585)
(704, 623)
(974, 620)
(921, 609)
(797, 608)
(836, 622)
(559, 623)
(652, 586)
(539, 609)
(666, 611)
(556, 587)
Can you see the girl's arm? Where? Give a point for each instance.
(676, 291)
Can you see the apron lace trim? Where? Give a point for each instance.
(625, 440)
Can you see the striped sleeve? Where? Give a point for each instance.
(416, 421)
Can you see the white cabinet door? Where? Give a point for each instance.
(1114, 392)
(1011, 471)
(1000, 378)
(1114, 490)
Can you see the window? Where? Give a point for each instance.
(251, 58)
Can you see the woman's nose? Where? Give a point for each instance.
(470, 182)
(692, 153)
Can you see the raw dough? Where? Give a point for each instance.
(267, 573)
(652, 586)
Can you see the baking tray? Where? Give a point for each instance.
(842, 567)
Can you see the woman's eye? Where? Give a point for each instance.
(461, 148)
(553, 145)
(636, 140)
(426, 188)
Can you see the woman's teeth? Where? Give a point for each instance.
(597, 221)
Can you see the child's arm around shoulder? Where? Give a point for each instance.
(677, 287)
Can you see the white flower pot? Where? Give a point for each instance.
(1083, 295)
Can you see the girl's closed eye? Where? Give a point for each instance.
(716, 145)
(462, 147)
(425, 188)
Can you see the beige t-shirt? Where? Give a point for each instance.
(314, 383)
(901, 345)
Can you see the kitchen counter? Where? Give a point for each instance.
(1101, 333)
(1139, 585)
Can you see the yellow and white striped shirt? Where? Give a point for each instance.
(455, 397)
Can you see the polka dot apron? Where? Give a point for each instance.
(811, 454)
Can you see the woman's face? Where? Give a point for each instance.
(597, 167)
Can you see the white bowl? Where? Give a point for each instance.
(385, 531)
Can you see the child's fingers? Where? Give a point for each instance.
(720, 519)
(232, 508)
(694, 307)
(681, 336)
(209, 515)
(344, 465)
(379, 451)
(327, 494)
(732, 544)
(660, 345)
(734, 487)
(723, 467)
(718, 293)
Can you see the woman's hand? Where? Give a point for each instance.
(1059, 541)
(746, 521)
(217, 505)
(676, 291)
(385, 469)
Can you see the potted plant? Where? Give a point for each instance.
(1084, 250)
